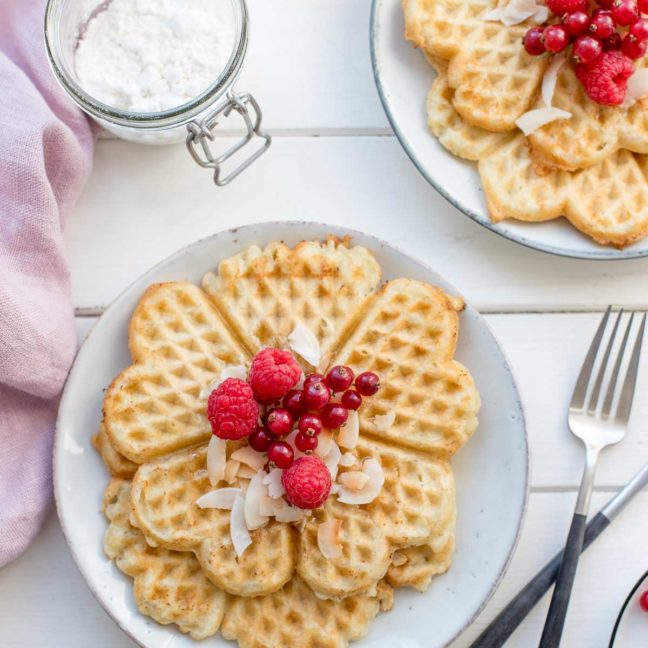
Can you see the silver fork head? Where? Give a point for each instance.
(592, 418)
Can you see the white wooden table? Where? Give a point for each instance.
(335, 159)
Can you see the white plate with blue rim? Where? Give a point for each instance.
(403, 78)
(491, 471)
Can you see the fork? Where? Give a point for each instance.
(597, 425)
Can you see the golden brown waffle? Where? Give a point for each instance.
(365, 557)
(494, 79)
(416, 498)
(264, 292)
(179, 344)
(169, 586)
(118, 465)
(454, 134)
(163, 506)
(295, 617)
(608, 201)
(408, 337)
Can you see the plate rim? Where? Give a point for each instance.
(604, 254)
(58, 442)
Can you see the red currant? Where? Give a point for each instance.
(279, 421)
(625, 12)
(339, 378)
(260, 440)
(305, 443)
(367, 383)
(586, 49)
(316, 395)
(633, 48)
(310, 425)
(605, 3)
(533, 41)
(334, 416)
(643, 601)
(292, 401)
(281, 454)
(313, 378)
(602, 25)
(612, 43)
(556, 38)
(351, 399)
(639, 29)
(642, 5)
(576, 23)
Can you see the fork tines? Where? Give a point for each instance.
(587, 392)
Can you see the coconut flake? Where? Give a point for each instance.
(230, 371)
(301, 381)
(243, 483)
(354, 480)
(348, 459)
(216, 459)
(231, 469)
(517, 11)
(398, 559)
(384, 421)
(324, 442)
(637, 87)
(494, 15)
(286, 513)
(534, 119)
(221, 498)
(256, 490)
(348, 436)
(273, 481)
(246, 472)
(370, 491)
(332, 459)
(250, 457)
(238, 529)
(304, 343)
(541, 15)
(266, 506)
(328, 538)
(550, 78)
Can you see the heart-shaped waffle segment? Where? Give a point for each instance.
(169, 586)
(118, 465)
(179, 344)
(163, 507)
(408, 336)
(263, 293)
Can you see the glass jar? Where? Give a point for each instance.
(194, 122)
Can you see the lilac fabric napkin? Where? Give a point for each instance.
(46, 147)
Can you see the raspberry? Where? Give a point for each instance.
(560, 7)
(642, 5)
(273, 374)
(307, 482)
(533, 41)
(605, 78)
(632, 47)
(556, 38)
(232, 410)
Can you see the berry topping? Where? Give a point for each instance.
(305, 443)
(339, 378)
(292, 401)
(367, 383)
(633, 48)
(625, 12)
(274, 372)
(605, 3)
(533, 41)
(334, 416)
(260, 440)
(316, 395)
(586, 49)
(310, 425)
(612, 43)
(643, 601)
(281, 454)
(639, 29)
(232, 410)
(576, 23)
(279, 422)
(313, 378)
(605, 78)
(560, 7)
(351, 399)
(642, 5)
(556, 38)
(307, 482)
(602, 25)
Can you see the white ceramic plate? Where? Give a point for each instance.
(404, 77)
(491, 471)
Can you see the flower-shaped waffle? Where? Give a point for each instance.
(424, 411)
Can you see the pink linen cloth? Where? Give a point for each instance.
(46, 147)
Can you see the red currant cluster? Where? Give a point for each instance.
(312, 409)
(590, 34)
